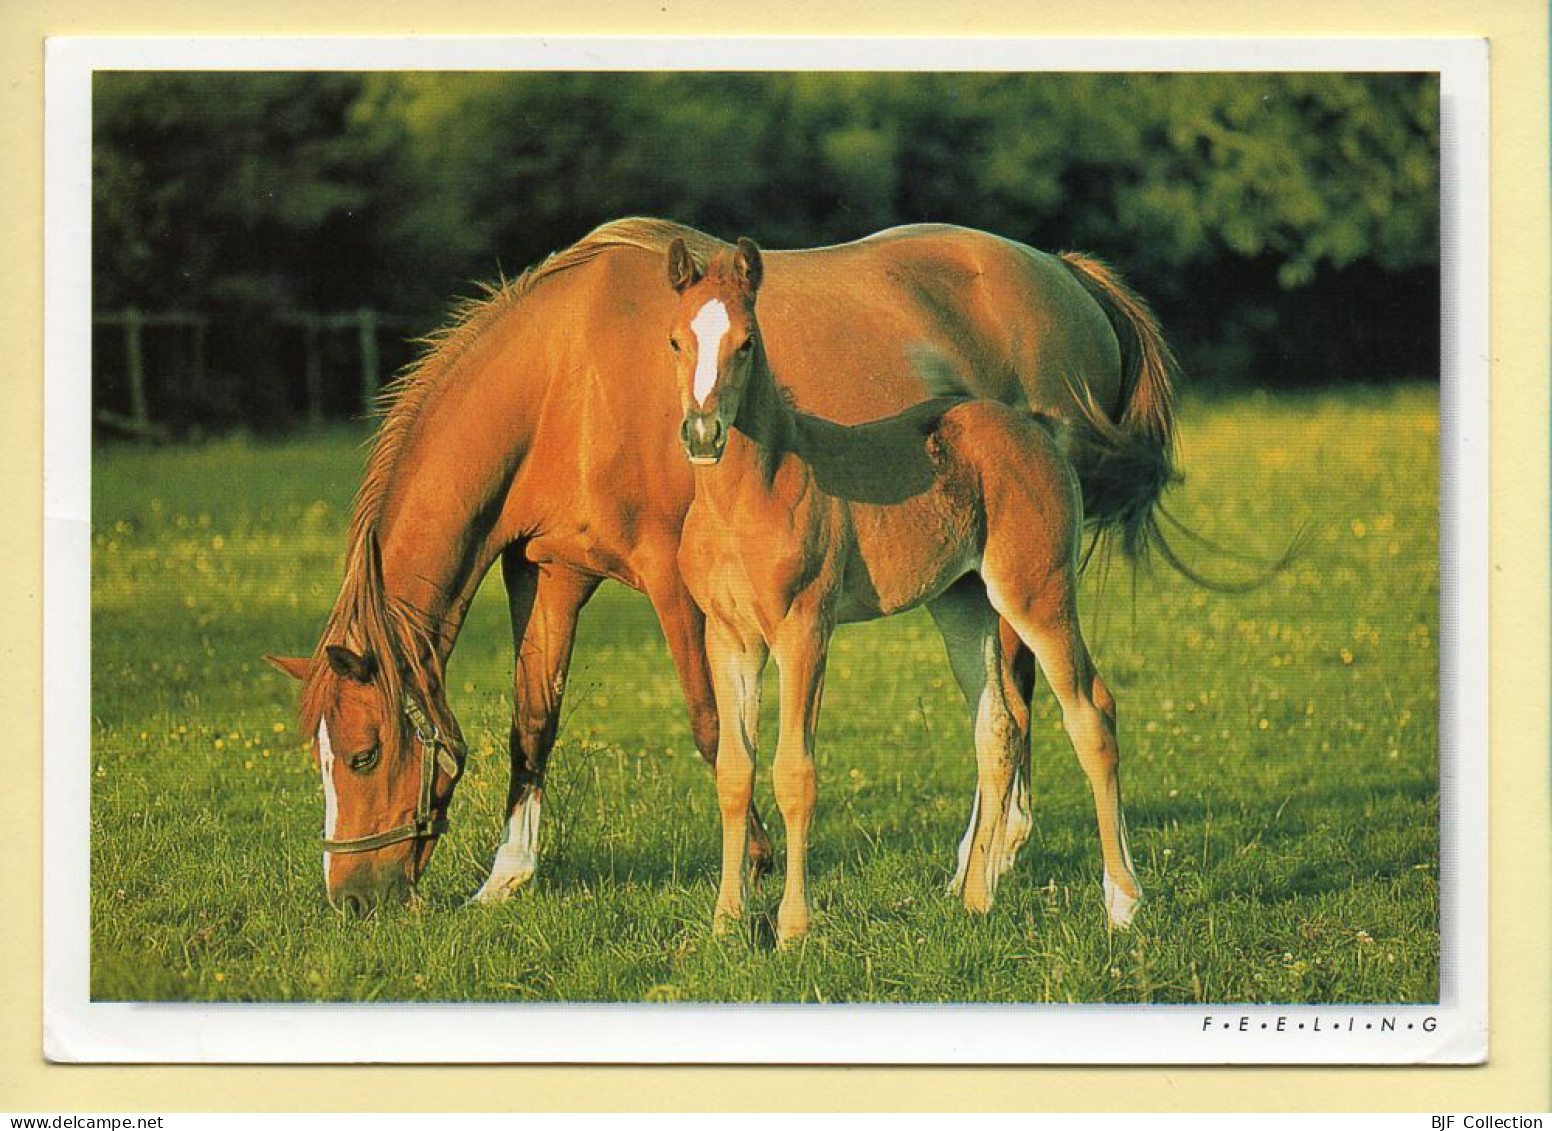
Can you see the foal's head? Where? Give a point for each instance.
(715, 342)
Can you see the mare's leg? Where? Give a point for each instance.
(996, 681)
(684, 628)
(1048, 622)
(800, 654)
(1018, 672)
(736, 665)
(544, 601)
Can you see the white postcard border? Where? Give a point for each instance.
(1453, 1031)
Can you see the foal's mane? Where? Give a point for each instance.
(364, 617)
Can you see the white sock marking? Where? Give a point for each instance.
(1118, 905)
(1019, 819)
(709, 324)
(518, 857)
(330, 795)
(956, 885)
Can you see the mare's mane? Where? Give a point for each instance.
(364, 617)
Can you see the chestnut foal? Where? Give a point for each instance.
(800, 524)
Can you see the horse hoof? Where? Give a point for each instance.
(789, 935)
(488, 896)
(1118, 905)
(725, 923)
(979, 894)
(499, 888)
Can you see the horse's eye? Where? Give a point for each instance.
(747, 346)
(363, 762)
(673, 344)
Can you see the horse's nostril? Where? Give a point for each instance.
(352, 905)
(718, 430)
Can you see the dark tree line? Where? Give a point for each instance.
(1285, 226)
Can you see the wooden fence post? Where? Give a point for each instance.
(134, 360)
(366, 327)
(314, 371)
(314, 326)
(201, 324)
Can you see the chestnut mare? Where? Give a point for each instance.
(799, 524)
(541, 429)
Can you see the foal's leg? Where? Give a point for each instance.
(800, 654)
(996, 682)
(544, 602)
(1049, 623)
(736, 665)
(684, 628)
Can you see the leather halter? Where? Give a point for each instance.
(435, 751)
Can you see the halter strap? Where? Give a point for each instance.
(435, 751)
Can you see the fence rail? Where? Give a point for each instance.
(366, 323)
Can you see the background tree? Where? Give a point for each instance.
(246, 197)
(1285, 225)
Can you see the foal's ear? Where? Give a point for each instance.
(297, 667)
(351, 665)
(683, 271)
(750, 267)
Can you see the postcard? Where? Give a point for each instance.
(766, 551)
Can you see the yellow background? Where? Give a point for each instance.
(1519, 1076)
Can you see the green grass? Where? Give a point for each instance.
(1279, 762)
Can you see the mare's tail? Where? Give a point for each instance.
(1125, 464)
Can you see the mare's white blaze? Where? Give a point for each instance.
(330, 796)
(518, 857)
(709, 324)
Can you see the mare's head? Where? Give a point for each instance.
(388, 769)
(715, 341)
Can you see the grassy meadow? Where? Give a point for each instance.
(1280, 763)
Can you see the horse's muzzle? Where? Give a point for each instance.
(363, 893)
(704, 437)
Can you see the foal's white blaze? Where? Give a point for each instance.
(330, 797)
(709, 324)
